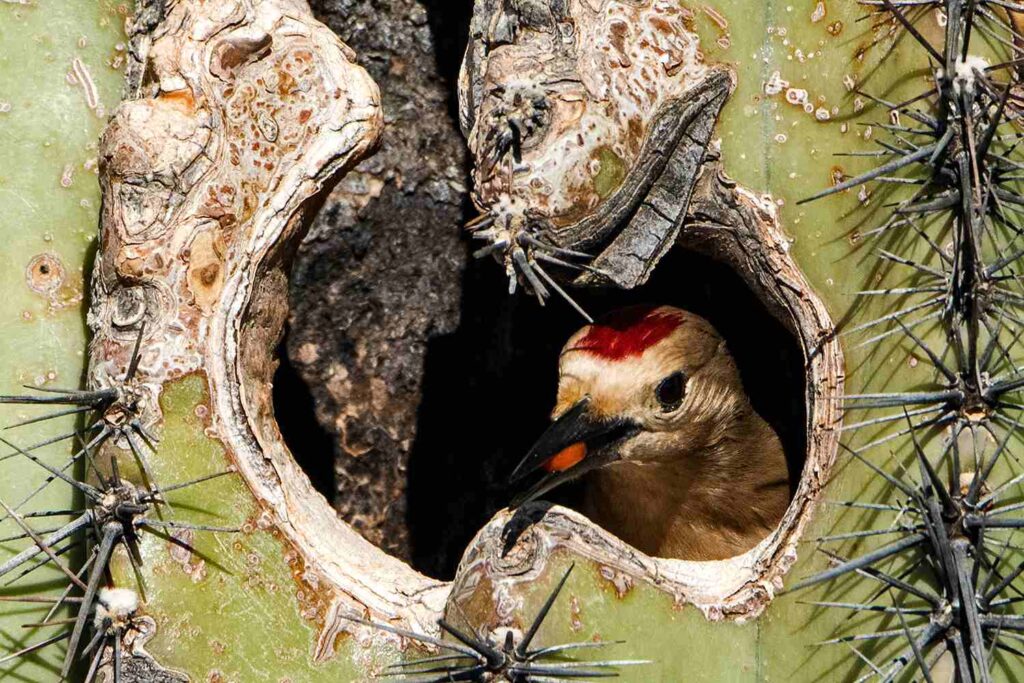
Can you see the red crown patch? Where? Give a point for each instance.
(627, 332)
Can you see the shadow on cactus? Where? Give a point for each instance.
(115, 512)
(951, 576)
(476, 657)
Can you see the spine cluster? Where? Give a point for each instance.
(942, 567)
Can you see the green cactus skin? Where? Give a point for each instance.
(232, 609)
(49, 200)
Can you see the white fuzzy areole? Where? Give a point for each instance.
(116, 604)
(964, 71)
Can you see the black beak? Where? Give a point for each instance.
(574, 444)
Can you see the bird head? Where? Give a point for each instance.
(645, 385)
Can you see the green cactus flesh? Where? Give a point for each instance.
(232, 608)
(59, 72)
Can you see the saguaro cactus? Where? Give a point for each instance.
(606, 133)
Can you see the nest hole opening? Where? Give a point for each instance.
(490, 387)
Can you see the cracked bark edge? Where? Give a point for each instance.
(239, 116)
(735, 226)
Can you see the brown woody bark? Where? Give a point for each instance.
(380, 273)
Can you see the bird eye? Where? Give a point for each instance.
(670, 391)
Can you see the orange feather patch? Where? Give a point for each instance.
(567, 457)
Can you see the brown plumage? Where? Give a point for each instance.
(652, 412)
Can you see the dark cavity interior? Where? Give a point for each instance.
(489, 386)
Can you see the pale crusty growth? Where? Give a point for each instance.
(600, 70)
(585, 118)
(241, 113)
(245, 113)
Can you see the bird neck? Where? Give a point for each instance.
(714, 502)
